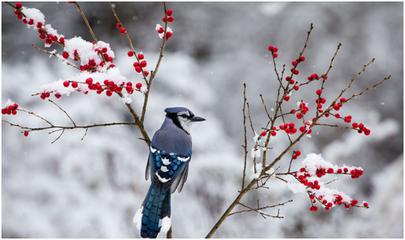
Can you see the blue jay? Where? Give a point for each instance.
(169, 157)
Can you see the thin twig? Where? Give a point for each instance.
(154, 72)
(53, 53)
(63, 110)
(245, 151)
(36, 115)
(86, 21)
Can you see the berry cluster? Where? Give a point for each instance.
(317, 191)
(108, 86)
(11, 109)
(274, 50)
(121, 28)
(296, 154)
(140, 63)
(94, 56)
(46, 34)
(167, 18)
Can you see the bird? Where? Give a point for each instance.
(169, 157)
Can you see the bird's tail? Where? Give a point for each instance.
(154, 215)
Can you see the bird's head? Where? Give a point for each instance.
(182, 117)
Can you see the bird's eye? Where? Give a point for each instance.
(183, 116)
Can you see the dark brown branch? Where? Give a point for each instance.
(154, 72)
(86, 21)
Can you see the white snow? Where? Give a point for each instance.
(137, 220)
(34, 14)
(166, 223)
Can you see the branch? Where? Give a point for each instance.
(259, 209)
(79, 9)
(63, 110)
(154, 72)
(53, 53)
(52, 126)
(244, 136)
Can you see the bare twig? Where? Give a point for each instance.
(35, 114)
(245, 151)
(86, 21)
(258, 208)
(63, 110)
(53, 53)
(68, 127)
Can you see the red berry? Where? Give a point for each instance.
(108, 93)
(343, 100)
(275, 55)
(313, 208)
(270, 48)
(58, 95)
(123, 30)
(302, 58)
(18, 5)
(39, 24)
(170, 19)
(169, 12)
(130, 53)
(294, 63)
(26, 133)
(365, 204)
(138, 85)
(143, 63)
(66, 83)
(319, 92)
(118, 25)
(330, 170)
(89, 81)
(296, 87)
(168, 35)
(263, 134)
(138, 69)
(286, 98)
(160, 30)
(141, 56)
(74, 84)
(65, 55)
(354, 202)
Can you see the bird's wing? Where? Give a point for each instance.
(179, 182)
(168, 168)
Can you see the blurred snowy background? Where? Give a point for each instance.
(92, 188)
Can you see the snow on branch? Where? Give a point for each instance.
(97, 71)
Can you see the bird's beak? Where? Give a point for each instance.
(197, 119)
